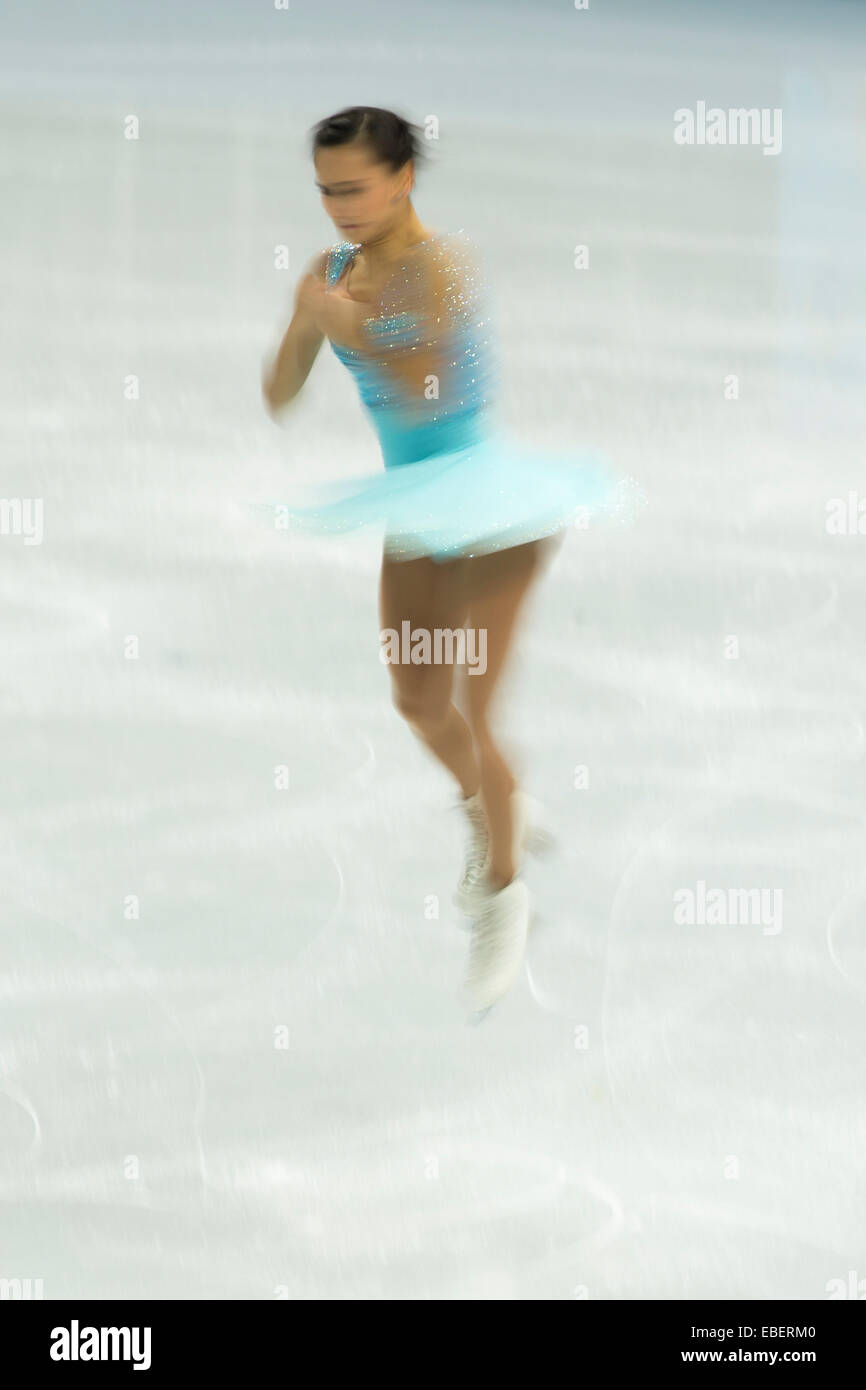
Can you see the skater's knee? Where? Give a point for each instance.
(425, 708)
(488, 744)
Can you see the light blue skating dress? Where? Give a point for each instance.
(453, 482)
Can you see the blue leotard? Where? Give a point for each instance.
(414, 426)
(453, 482)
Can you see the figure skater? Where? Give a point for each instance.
(469, 518)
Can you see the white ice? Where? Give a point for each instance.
(657, 1110)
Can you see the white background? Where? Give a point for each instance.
(708, 1138)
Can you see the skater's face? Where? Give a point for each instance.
(362, 198)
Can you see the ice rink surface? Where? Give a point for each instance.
(232, 1058)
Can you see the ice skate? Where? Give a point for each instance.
(531, 836)
(471, 887)
(497, 945)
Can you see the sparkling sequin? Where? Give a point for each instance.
(434, 303)
(454, 482)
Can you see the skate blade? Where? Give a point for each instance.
(479, 1015)
(540, 842)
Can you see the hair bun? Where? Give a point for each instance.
(391, 138)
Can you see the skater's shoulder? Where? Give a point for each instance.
(455, 270)
(329, 262)
(456, 239)
(455, 260)
(454, 247)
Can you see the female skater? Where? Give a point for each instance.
(468, 517)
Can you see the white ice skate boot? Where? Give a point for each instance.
(471, 886)
(530, 835)
(497, 946)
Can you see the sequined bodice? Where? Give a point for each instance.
(412, 427)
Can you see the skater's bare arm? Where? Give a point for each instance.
(284, 377)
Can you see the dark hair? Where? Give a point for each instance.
(392, 140)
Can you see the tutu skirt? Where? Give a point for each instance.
(486, 495)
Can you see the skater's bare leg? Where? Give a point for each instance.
(498, 586)
(430, 595)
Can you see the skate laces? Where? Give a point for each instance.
(476, 850)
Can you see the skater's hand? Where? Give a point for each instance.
(283, 379)
(310, 295)
(343, 318)
(333, 312)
